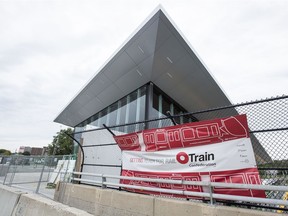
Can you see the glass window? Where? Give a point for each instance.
(103, 117)
(165, 106)
(141, 104)
(156, 106)
(132, 107)
(129, 109)
(112, 114)
(162, 103)
(122, 112)
(96, 121)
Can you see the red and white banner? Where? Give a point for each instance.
(218, 151)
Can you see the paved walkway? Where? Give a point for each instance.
(29, 181)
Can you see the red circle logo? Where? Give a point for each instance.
(182, 157)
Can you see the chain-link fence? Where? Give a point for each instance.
(267, 121)
(38, 174)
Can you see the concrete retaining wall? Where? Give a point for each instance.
(16, 203)
(33, 204)
(108, 202)
(97, 201)
(9, 198)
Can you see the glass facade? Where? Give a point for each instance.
(132, 108)
(162, 103)
(128, 109)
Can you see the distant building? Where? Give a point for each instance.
(32, 150)
(36, 151)
(23, 149)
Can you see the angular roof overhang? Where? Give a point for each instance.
(156, 53)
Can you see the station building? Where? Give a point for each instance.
(155, 71)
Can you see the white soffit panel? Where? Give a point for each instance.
(112, 93)
(163, 34)
(168, 54)
(93, 105)
(124, 83)
(119, 67)
(144, 46)
(99, 84)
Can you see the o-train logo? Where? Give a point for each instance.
(184, 158)
(186, 135)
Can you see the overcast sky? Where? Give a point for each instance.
(50, 49)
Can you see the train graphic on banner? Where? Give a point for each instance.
(185, 135)
(218, 150)
(243, 176)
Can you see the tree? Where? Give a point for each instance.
(5, 152)
(26, 153)
(62, 144)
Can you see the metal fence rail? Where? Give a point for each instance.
(211, 196)
(267, 121)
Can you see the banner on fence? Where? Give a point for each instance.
(219, 150)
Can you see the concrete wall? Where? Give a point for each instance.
(108, 202)
(9, 198)
(16, 203)
(33, 204)
(105, 202)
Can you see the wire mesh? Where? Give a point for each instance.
(268, 124)
(32, 173)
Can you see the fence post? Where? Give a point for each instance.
(13, 171)
(103, 179)
(12, 175)
(40, 178)
(211, 193)
(49, 165)
(2, 165)
(7, 172)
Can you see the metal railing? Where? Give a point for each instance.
(267, 121)
(212, 197)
